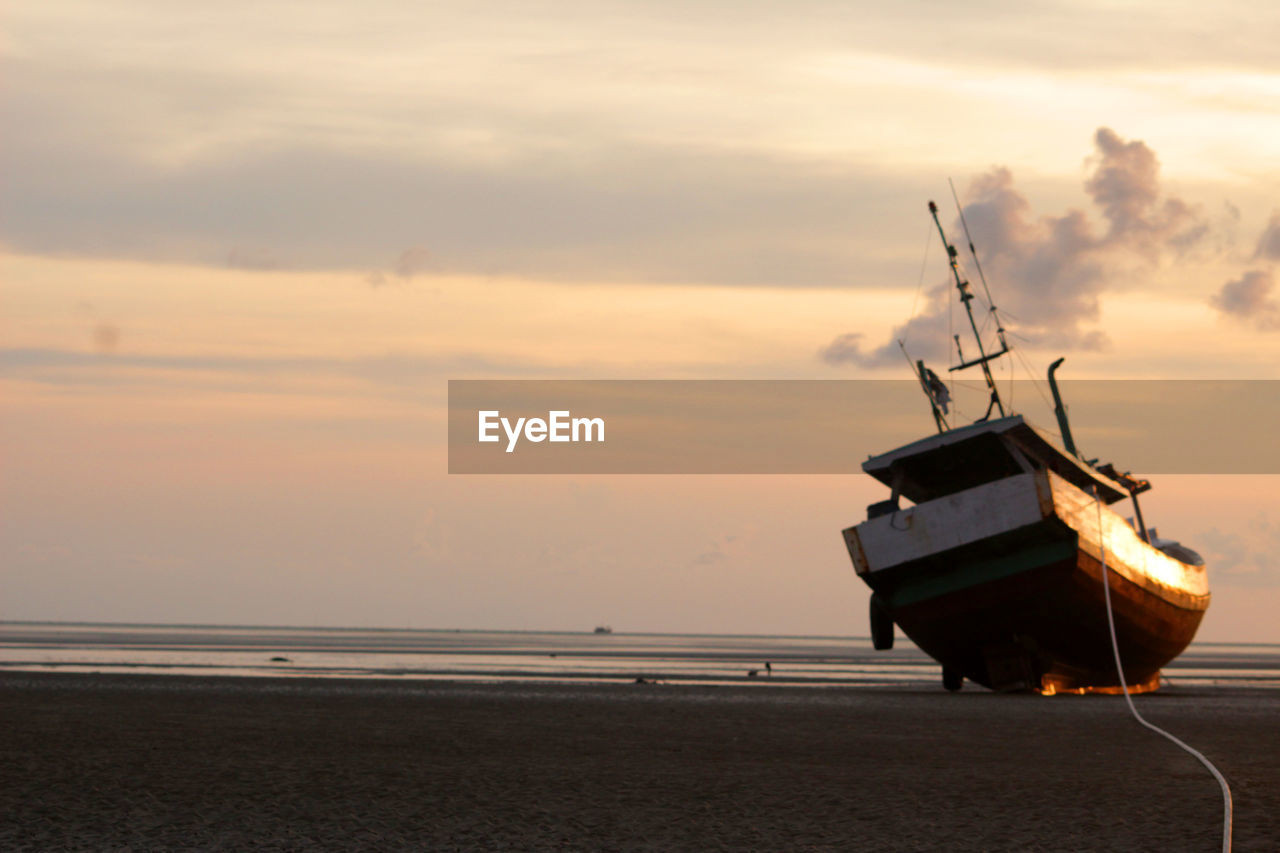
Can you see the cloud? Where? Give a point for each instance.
(1126, 186)
(1269, 242)
(724, 549)
(633, 213)
(1049, 272)
(106, 337)
(411, 262)
(1251, 299)
(846, 347)
(583, 182)
(1247, 557)
(560, 201)
(106, 366)
(615, 145)
(251, 259)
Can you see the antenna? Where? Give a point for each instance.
(966, 296)
(978, 265)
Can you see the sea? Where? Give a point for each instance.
(532, 656)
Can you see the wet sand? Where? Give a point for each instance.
(93, 762)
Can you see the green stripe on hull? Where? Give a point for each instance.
(964, 574)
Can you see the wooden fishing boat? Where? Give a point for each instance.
(995, 569)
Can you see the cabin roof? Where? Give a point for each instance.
(980, 453)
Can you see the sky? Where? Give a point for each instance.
(244, 246)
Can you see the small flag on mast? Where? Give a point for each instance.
(937, 390)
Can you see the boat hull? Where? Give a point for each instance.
(1003, 584)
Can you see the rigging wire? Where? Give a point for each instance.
(1008, 370)
(924, 263)
(902, 346)
(951, 338)
(969, 239)
(1115, 647)
(1022, 359)
(1011, 315)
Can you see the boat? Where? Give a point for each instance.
(993, 548)
(603, 629)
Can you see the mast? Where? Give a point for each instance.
(966, 296)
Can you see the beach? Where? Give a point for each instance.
(144, 762)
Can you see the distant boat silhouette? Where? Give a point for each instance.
(603, 629)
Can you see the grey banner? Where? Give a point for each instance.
(831, 427)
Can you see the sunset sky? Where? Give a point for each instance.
(244, 246)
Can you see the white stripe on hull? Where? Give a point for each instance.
(1006, 505)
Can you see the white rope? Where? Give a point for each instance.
(1115, 647)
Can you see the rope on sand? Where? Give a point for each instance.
(1115, 647)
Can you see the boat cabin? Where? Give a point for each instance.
(965, 457)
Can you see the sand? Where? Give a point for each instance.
(121, 762)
